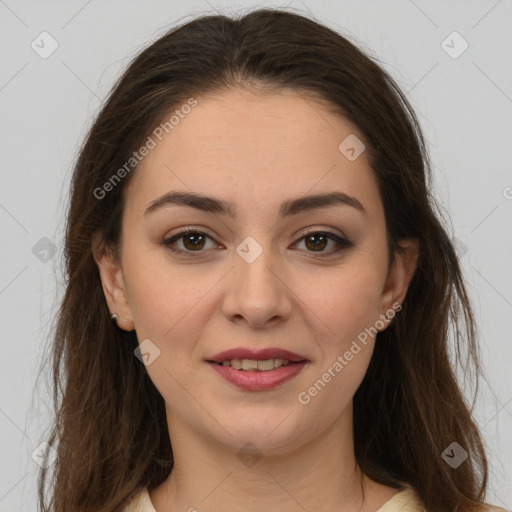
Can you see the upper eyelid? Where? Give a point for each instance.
(200, 231)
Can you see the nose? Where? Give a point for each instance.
(257, 292)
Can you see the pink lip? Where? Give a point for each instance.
(255, 380)
(257, 355)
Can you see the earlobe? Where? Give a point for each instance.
(400, 274)
(112, 280)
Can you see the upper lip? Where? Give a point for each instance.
(257, 355)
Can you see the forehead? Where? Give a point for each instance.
(255, 149)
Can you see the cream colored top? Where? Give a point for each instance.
(406, 500)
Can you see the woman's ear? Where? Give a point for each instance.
(113, 284)
(400, 274)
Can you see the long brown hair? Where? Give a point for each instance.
(110, 430)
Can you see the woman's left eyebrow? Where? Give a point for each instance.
(288, 207)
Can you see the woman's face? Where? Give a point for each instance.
(254, 280)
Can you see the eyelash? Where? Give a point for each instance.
(342, 243)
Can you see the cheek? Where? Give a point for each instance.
(164, 297)
(342, 302)
(331, 390)
(344, 314)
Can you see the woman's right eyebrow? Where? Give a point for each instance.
(288, 207)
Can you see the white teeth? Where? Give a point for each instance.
(264, 366)
(236, 363)
(248, 364)
(251, 364)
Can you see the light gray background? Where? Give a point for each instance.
(464, 105)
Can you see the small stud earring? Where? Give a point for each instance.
(114, 317)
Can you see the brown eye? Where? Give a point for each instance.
(192, 241)
(196, 241)
(317, 241)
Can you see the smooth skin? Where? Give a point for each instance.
(256, 150)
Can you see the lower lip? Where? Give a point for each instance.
(256, 380)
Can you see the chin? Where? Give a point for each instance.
(275, 432)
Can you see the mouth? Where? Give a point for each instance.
(249, 359)
(255, 365)
(256, 379)
(261, 370)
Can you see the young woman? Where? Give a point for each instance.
(260, 289)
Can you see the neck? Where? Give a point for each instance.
(320, 474)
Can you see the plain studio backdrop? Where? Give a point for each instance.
(58, 61)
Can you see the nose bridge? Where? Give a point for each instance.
(257, 291)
